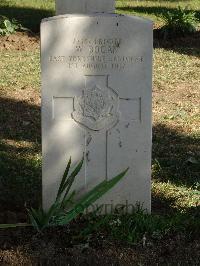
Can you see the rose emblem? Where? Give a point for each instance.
(97, 108)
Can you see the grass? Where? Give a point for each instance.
(133, 228)
(24, 10)
(181, 197)
(154, 9)
(20, 178)
(176, 77)
(176, 135)
(26, 70)
(192, 4)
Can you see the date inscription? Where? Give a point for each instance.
(97, 53)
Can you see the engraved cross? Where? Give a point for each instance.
(97, 110)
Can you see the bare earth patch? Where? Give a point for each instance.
(23, 247)
(19, 41)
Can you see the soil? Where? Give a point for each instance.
(19, 41)
(30, 41)
(57, 246)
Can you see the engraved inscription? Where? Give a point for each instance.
(97, 53)
(97, 45)
(97, 108)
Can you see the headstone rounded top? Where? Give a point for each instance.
(119, 17)
(84, 6)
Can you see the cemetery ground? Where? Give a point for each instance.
(170, 236)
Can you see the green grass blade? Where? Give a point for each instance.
(36, 217)
(54, 210)
(101, 189)
(68, 200)
(33, 221)
(91, 197)
(5, 226)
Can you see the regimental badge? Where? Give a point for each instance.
(97, 108)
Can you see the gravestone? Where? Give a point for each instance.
(96, 100)
(84, 6)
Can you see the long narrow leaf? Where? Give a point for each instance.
(53, 211)
(33, 221)
(5, 226)
(71, 178)
(37, 218)
(61, 189)
(91, 197)
(68, 200)
(101, 189)
(36, 215)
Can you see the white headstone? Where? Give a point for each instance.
(84, 6)
(96, 99)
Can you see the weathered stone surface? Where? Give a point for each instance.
(96, 100)
(84, 6)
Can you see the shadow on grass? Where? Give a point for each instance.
(19, 120)
(31, 17)
(177, 156)
(189, 44)
(20, 176)
(167, 205)
(20, 179)
(154, 10)
(28, 17)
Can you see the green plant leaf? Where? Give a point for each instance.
(56, 215)
(68, 200)
(54, 210)
(33, 221)
(91, 197)
(71, 178)
(179, 22)
(5, 226)
(7, 23)
(61, 187)
(9, 26)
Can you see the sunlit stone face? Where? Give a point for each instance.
(96, 100)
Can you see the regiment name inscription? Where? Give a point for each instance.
(97, 53)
